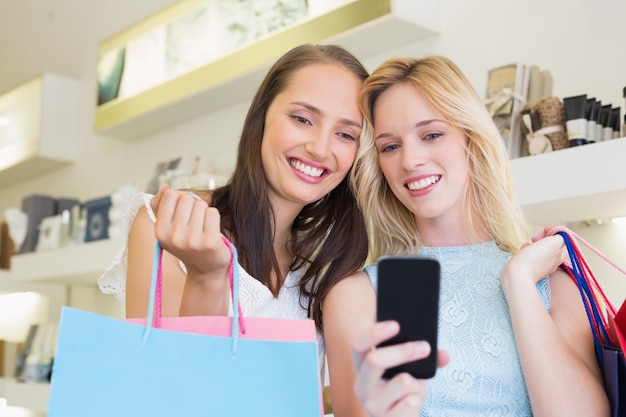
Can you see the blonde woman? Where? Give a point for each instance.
(432, 177)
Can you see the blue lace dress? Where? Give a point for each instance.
(484, 376)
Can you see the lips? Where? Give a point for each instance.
(422, 183)
(309, 170)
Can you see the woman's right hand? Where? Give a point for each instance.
(401, 395)
(189, 229)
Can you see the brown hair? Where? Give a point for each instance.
(329, 234)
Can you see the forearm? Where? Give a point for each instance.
(205, 297)
(559, 381)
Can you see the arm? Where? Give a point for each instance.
(349, 308)
(556, 348)
(355, 380)
(141, 243)
(188, 230)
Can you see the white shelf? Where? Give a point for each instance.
(364, 27)
(574, 184)
(80, 264)
(38, 127)
(30, 395)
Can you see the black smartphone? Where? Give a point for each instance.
(408, 292)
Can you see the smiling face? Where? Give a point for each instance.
(422, 156)
(311, 131)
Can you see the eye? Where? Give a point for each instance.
(432, 136)
(346, 135)
(301, 120)
(388, 148)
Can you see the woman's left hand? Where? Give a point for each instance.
(537, 259)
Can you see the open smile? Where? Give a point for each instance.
(307, 169)
(423, 183)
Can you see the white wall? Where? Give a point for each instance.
(579, 41)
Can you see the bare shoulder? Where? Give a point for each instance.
(352, 286)
(348, 301)
(142, 226)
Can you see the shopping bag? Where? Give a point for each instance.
(184, 366)
(608, 324)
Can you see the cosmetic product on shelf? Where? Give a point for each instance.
(576, 119)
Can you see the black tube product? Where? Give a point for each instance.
(598, 111)
(605, 117)
(616, 118)
(576, 119)
(590, 115)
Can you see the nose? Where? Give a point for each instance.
(319, 145)
(411, 155)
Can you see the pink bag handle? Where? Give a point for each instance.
(590, 278)
(153, 318)
(575, 239)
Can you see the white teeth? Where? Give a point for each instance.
(423, 183)
(308, 170)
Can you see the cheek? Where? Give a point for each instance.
(346, 154)
(386, 166)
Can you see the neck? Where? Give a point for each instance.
(450, 232)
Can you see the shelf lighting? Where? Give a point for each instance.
(18, 311)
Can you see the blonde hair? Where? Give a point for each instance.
(489, 197)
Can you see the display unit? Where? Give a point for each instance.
(365, 27)
(575, 184)
(38, 127)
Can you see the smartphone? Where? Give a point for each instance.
(408, 292)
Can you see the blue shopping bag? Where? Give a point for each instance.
(106, 367)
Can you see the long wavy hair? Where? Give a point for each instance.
(329, 235)
(489, 201)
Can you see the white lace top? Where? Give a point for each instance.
(255, 298)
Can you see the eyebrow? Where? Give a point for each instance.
(419, 124)
(319, 112)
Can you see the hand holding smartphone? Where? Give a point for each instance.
(408, 292)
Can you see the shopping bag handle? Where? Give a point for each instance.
(574, 238)
(153, 318)
(588, 286)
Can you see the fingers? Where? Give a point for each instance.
(376, 334)
(156, 199)
(443, 358)
(400, 396)
(185, 220)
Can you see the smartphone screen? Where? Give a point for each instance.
(408, 292)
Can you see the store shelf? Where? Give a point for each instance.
(38, 125)
(29, 395)
(365, 27)
(79, 264)
(574, 184)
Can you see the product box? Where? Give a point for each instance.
(37, 207)
(97, 218)
(63, 204)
